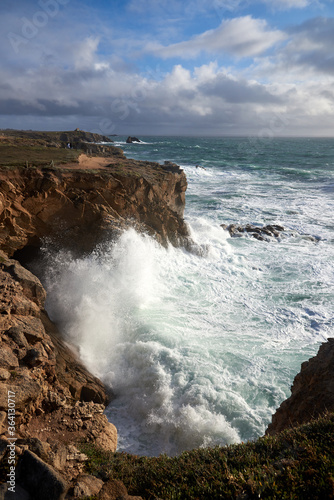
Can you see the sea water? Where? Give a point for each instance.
(200, 349)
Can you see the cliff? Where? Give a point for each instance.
(80, 202)
(54, 402)
(312, 392)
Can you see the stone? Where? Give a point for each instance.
(8, 359)
(20, 493)
(87, 485)
(113, 490)
(257, 232)
(312, 392)
(4, 374)
(40, 448)
(26, 390)
(39, 479)
(31, 285)
(107, 438)
(31, 328)
(130, 140)
(35, 356)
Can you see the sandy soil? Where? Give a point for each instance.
(90, 162)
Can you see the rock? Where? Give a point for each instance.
(32, 287)
(259, 233)
(107, 438)
(86, 205)
(4, 374)
(130, 140)
(39, 479)
(115, 490)
(8, 359)
(36, 356)
(26, 391)
(20, 493)
(87, 485)
(312, 392)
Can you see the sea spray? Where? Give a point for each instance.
(200, 349)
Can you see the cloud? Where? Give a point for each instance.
(308, 55)
(241, 37)
(289, 4)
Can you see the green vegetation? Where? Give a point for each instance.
(296, 464)
(22, 156)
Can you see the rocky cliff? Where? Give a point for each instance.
(48, 400)
(80, 204)
(312, 392)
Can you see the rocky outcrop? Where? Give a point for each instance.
(80, 206)
(260, 233)
(267, 233)
(312, 392)
(130, 140)
(56, 139)
(58, 403)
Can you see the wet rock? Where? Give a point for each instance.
(312, 392)
(130, 140)
(263, 233)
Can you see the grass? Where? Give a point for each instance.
(21, 156)
(296, 464)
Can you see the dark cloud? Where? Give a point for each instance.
(239, 91)
(312, 45)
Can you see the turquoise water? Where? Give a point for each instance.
(201, 349)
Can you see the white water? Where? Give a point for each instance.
(194, 351)
(201, 350)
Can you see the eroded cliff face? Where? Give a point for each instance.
(79, 205)
(58, 403)
(312, 392)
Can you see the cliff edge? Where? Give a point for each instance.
(49, 402)
(312, 392)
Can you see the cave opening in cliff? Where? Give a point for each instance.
(28, 254)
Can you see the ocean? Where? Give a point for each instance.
(201, 348)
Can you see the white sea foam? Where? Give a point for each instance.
(202, 349)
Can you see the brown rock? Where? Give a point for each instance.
(4, 374)
(312, 392)
(107, 438)
(87, 485)
(8, 359)
(115, 490)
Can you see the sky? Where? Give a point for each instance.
(260, 68)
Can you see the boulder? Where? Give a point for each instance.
(130, 140)
(115, 490)
(86, 486)
(39, 479)
(261, 233)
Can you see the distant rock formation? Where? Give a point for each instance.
(265, 233)
(260, 233)
(312, 392)
(130, 140)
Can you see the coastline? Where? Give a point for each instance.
(65, 192)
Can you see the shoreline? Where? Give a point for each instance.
(65, 192)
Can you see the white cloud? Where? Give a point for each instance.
(289, 4)
(241, 37)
